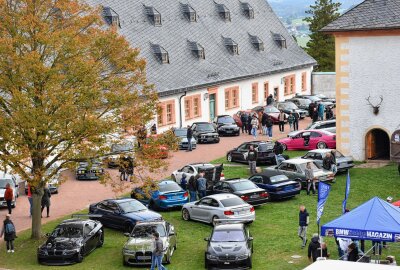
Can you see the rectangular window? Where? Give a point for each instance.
(187, 109)
(192, 106)
(169, 113)
(234, 98)
(166, 116)
(196, 104)
(304, 81)
(254, 92)
(266, 90)
(290, 84)
(227, 100)
(231, 98)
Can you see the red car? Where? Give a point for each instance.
(237, 116)
(309, 140)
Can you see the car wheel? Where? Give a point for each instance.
(79, 256)
(185, 214)
(100, 243)
(284, 147)
(129, 227)
(321, 145)
(229, 158)
(214, 222)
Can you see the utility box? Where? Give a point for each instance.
(395, 146)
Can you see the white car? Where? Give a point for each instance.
(193, 169)
(218, 206)
(4, 180)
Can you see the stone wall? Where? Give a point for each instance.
(324, 83)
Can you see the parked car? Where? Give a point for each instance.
(295, 169)
(230, 246)
(265, 152)
(162, 149)
(138, 249)
(122, 214)
(309, 139)
(325, 98)
(302, 103)
(243, 188)
(117, 149)
(71, 241)
(278, 185)
(181, 133)
(168, 195)
(237, 116)
(318, 100)
(12, 180)
(343, 163)
(89, 170)
(226, 125)
(328, 125)
(288, 107)
(218, 206)
(205, 132)
(211, 172)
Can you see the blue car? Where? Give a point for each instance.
(168, 195)
(277, 185)
(122, 214)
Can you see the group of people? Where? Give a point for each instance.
(126, 167)
(317, 110)
(250, 124)
(196, 185)
(328, 163)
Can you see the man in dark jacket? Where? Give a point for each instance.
(311, 108)
(9, 232)
(248, 124)
(264, 120)
(189, 136)
(244, 118)
(192, 187)
(303, 223)
(270, 100)
(296, 120)
(252, 156)
(314, 248)
(158, 253)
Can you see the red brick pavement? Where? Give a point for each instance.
(76, 195)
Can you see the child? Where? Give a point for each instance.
(9, 233)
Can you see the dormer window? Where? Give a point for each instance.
(231, 45)
(258, 44)
(197, 50)
(111, 17)
(248, 10)
(280, 40)
(189, 13)
(153, 15)
(224, 12)
(160, 53)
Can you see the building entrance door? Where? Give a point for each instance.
(212, 107)
(377, 144)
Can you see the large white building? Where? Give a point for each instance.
(367, 74)
(207, 58)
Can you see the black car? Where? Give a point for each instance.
(226, 125)
(265, 152)
(230, 246)
(288, 107)
(122, 214)
(242, 188)
(70, 241)
(89, 170)
(278, 185)
(205, 132)
(316, 99)
(302, 103)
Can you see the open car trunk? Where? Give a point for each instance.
(212, 175)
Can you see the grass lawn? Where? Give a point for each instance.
(274, 231)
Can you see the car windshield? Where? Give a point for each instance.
(314, 166)
(132, 206)
(232, 202)
(228, 236)
(180, 132)
(303, 101)
(262, 147)
(122, 147)
(243, 185)
(147, 230)
(289, 106)
(170, 187)
(68, 231)
(226, 120)
(4, 182)
(205, 127)
(338, 154)
(278, 178)
(270, 109)
(313, 98)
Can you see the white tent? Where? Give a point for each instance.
(344, 265)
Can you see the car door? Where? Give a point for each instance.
(226, 188)
(315, 137)
(105, 213)
(241, 152)
(201, 208)
(318, 158)
(170, 229)
(194, 129)
(116, 216)
(217, 188)
(297, 141)
(90, 241)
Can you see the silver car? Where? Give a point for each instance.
(181, 134)
(218, 206)
(343, 163)
(12, 180)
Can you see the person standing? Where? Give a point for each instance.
(192, 187)
(270, 100)
(315, 115)
(269, 125)
(352, 253)
(46, 200)
(328, 163)
(328, 113)
(9, 197)
(30, 200)
(158, 253)
(321, 111)
(304, 219)
(184, 181)
(248, 124)
(130, 168)
(254, 126)
(281, 119)
(314, 248)
(309, 174)
(264, 119)
(252, 156)
(122, 168)
(9, 233)
(202, 185)
(189, 136)
(291, 120)
(278, 151)
(296, 120)
(244, 118)
(311, 108)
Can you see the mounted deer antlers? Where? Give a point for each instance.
(376, 107)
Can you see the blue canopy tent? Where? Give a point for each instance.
(374, 220)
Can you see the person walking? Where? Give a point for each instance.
(314, 248)
(264, 119)
(309, 174)
(9, 233)
(254, 126)
(270, 99)
(252, 156)
(269, 124)
(296, 120)
(46, 200)
(321, 111)
(291, 120)
(189, 136)
(192, 187)
(281, 119)
(30, 200)
(244, 118)
(202, 185)
(9, 197)
(158, 253)
(304, 219)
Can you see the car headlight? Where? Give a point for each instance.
(243, 256)
(211, 257)
(127, 251)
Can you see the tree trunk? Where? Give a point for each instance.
(36, 214)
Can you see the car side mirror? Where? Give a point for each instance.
(171, 233)
(207, 239)
(251, 238)
(127, 234)
(197, 203)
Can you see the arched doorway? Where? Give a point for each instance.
(377, 144)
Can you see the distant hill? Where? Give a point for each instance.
(297, 8)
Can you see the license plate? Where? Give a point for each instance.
(254, 196)
(144, 257)
(226, 262)
(229, 131)
(176, 197)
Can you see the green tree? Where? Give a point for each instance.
(322, 46)
(67, 80)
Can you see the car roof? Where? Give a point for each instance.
(166, 182)
(325, 122)
(224, 227)
(200, 164)
(222, 196)
(235, 180)
(202, 123)
(269, 173)
(223, 115)
(320, 150)
(121, 200)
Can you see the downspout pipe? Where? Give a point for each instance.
(180, 109)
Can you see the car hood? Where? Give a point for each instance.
(143, 244)
(2, 191)
(184, 139)
(227, 125)
(61, 243)
(343, 159)
(143, 215)
(207, 132)
(224, 248)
